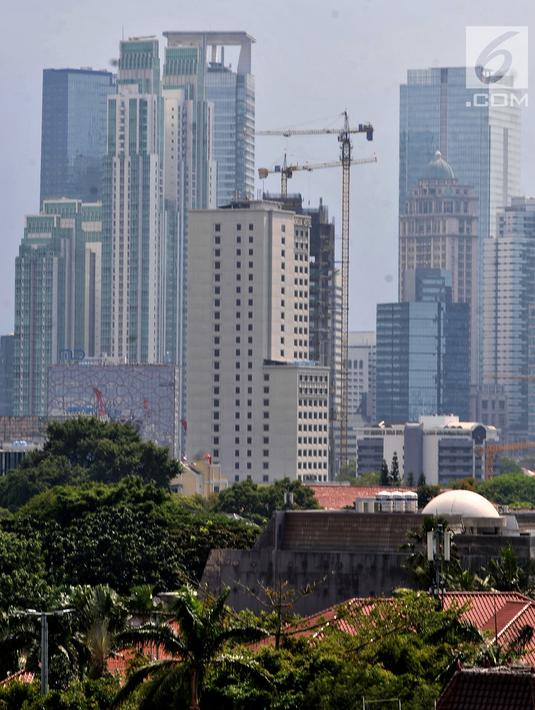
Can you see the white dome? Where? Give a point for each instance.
(459, 502)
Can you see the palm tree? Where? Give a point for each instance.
(193, 642)
(99, 616)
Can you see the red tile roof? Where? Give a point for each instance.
(20, 676)
(505, 612)
(337, 497)
(489, 689)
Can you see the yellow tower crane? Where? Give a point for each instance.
(286, 171)
(344, 139)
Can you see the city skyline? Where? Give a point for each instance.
(347, 49)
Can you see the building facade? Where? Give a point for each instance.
(231, 92)
(423, 353)
(438, 228)
(57, 296)
(73, 133)
(250, 382)
(508, 300)
(7, 362)
(479, 136)
(361, 376)
(132, 209)
(442, 448)
(145, 396)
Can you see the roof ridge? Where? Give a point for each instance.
(515, 617)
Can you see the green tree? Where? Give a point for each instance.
(509, 489)
(257, 502)
(506, 574)
(368, 479)
(86, 449)
(385, 474)
(394, 470)
(195, 643)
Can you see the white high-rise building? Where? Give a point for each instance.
(133, 204)
(509, 293)
(256, 404)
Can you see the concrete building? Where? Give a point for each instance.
(255, 402)
(423, 352)
(57, 296)
(440, 447)
(7, 363)
(73, 133)
(340, 554)
(146, 396)
(361, 376)
(132, 206)
(438, 228)
(228, 84)
(508, 296)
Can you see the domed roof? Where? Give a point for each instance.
(439, 169)
(459, 502)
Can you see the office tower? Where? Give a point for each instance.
(481, 142)
(73, 133)
(132, 284)
(509, 293)
(423, 352)
(478, 134)
(438, 228)
(325, 319)
(7, 358)
(256, 404)
(361, 376)
(189, 176)
(231, 92)
(57, 296)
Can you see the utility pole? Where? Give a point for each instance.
(439, 552)
(43, 615)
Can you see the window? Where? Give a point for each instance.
(217, 227)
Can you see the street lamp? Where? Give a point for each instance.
(44, 640)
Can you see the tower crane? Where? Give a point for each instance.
(344, 139)
(286, 171)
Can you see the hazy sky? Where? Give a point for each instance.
(311, 61)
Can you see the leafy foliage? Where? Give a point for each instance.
(509, 489)
(86, 449)
(257, 503)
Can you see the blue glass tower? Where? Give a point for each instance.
(73, 135)
(423, 352)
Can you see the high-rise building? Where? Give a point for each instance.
(478, 135)
(481, 142)
(57, 296)
(256, 404)
(132, 284)
(438, 228)
(73, 134)
(7, 359)
(230, 89)
(423, 353)
(509, 294)
(361, 376)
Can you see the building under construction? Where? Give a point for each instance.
(324, 301)
(145, 396)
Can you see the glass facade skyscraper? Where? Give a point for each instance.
(480, 139)
(423, 353)
(481, 142)
(231, 90)
(132, 209)
(508, 300)
(73, 133)
(57, 296)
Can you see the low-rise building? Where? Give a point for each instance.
(440, 447)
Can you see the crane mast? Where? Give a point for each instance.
(345, 158)
(344, 139)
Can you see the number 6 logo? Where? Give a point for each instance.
(496, 56)
(491, 52)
